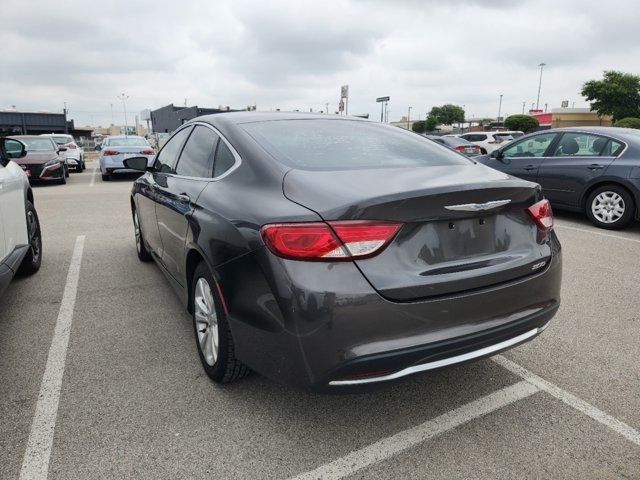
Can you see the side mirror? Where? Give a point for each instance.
(136, 163)
(11, 148)
(497, 154)
(97, 148)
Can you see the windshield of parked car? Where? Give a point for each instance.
(38, 144)
(128, 142)
(345, 145)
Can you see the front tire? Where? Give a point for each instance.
(33, 259)
(66, 170)
(215, 344)
(610, 207)
(141, 247)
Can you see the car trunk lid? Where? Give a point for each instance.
(465, 227)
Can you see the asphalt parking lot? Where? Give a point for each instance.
(135, 403)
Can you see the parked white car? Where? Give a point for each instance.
(20, 238)
(74, 155)
(490, 141)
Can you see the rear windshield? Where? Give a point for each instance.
(504, 136)
(62, 140)
(347, 145)
(455, 141)
(127, 142)
(38, 144)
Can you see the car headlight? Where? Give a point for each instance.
(51, 163)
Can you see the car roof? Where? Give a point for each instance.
(237, 118)
(25, 137)
(124, 136)
(56, 135)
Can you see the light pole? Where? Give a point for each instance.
(409, 118)
(523, 104)
(499, 108)
(542, 65)
(124, 98)
(326, 108)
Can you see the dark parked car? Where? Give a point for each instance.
(595, 170)
(458, 144)
(329, 252)
(44, 160)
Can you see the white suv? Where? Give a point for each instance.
(20, 238)
(74, 155)
(490, 141)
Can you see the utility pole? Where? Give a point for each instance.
(499, 108)
(326, 108)
(409, 118)
(124, 98)
(66, 127)
(112, 120)
(542, 65)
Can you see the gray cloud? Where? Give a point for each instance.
(295, 54)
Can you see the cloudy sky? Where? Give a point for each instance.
(295, 54)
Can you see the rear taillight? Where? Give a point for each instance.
(108, 153)
(460, 149)
(542, 214)
(147, 152)
(72, 146)
(477, 149)
(330, 241)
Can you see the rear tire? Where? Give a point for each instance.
(106, 177)
(215, 344)
(610, 207)
(141, 247)
(33, 259)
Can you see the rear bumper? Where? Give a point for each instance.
(317, 324)
(116, 165)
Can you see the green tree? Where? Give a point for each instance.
(418, 126)
(617, 94)
(524, 123)
(629, 122)
(448, 114)
(430, 124)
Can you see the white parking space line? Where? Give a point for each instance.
(35, 464)
(93, 177)
(595, 232)
(395, 444)
(598, 415)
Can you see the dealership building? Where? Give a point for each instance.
(570, 117)
(167, 119)
(13, 122)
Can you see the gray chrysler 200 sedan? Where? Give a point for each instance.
(333, 252)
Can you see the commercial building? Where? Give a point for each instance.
(167, 119)
(13, 122)
(570, 117)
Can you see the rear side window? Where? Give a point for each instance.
(168, 156)
(196, 159)
(347, 145)
(224, 159)
(613, 148)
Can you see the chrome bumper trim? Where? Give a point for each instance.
(444, 362)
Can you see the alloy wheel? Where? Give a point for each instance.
(608, 207)
(206, 321)
(136, 229)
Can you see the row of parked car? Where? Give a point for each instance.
(595, 170)
(48, 157)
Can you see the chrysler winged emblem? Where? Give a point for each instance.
(477, 207)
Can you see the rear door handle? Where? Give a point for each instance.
(183, 197)
(530, 167)
(595, 166)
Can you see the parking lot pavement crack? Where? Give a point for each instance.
(570, 399)
(398, 443)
